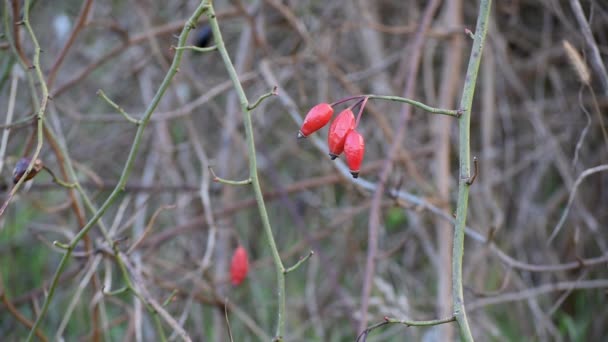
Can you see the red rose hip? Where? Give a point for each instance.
(317, 117)
(339, 129)
(354, 149)
(239, 266)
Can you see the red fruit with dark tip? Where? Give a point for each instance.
(317, 117)
(354, 149)
(339, 129)
(239, 266)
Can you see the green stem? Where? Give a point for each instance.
(126, 115)
(273, 92)
(406, 322)
(128, 164)
(465, 169)
(253, 173)
(449, 112)
(421, 323)
(300, 262)
(196, 48)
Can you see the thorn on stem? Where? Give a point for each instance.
(469, 33)
(475, 171)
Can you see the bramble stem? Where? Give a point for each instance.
(253, 172)
(465, 169)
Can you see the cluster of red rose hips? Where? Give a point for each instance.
(343, 135)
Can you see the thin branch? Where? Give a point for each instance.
(80, 23)
(126, 115)
(195, 48)
(149, 227)
(300, 262)
(363, 336)
(228, 181)
(9, 115)
(572, 196)
(13, 310)
(539, 290)
(449, 112)
(273, 92)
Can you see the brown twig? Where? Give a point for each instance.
(13, 310)
(80, 24)
(15, 5)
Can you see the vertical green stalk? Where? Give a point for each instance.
(253, 172)
(465, 168)
(128, 164)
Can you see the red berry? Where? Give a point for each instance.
(317, 117)
(339, 129)
(239, 266)
(354, 149)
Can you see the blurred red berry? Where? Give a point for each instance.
(354, 149)
(317, 117)
(239, 266)
(342, 125)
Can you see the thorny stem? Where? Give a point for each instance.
(130, 159)
(253, 173)
(465, 169)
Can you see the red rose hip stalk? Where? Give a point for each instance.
(317, 117)
(339, 129)
(239, 266)
(354, 149)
